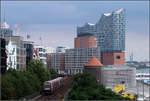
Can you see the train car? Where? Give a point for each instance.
(52, 85)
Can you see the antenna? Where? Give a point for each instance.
(41, 40)
(4, 16)
(131, 57)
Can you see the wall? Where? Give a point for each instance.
(113, 58)
(85, 42)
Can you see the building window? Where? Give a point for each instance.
(40, 49)
(118, 57)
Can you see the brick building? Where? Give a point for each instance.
(110, 34)
(76, 58)
(113, 58)
(94, 67)
(57, 62)
(85, 42)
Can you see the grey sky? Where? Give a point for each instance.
(56, 22)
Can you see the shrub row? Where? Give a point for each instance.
(86, 87)
(16, 83)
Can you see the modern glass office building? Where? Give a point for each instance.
(110, 31)
(86, 30)
(76, 58)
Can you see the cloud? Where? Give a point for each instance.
(56, 22)
(39, 13)
(52, 34)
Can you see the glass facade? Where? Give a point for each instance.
(29, 51)
(86, 30)
(109, 30)
(76, 58)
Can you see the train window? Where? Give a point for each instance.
(47, 86)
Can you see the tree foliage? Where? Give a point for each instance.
(37, 67)
(86, 87)
(16, 84)
(53, 73)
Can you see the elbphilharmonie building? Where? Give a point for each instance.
(110, 31)
(110, 36)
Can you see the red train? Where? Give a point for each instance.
(52, 85)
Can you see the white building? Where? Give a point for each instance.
(143, 74)
(42, 53)
(50, 50)
(113, 75)
(11, 55)
(16, 52)
(60, 49)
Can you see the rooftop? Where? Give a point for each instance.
(93, 62)
(144, 70)
(107, 14)
(5, 25)
(117, 67)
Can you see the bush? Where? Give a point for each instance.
(86, 87)
(37, 67)
(17, 84)
(53, 74)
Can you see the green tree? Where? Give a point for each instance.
(86, 87)
(7, 89)
(53, 73)
(37, 67)
(17, 84)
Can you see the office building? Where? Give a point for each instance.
(85, 37)
(87, 30)
(49, 51)
(16, 53)
(3, 55)
(113, 58)
(76, 58)
(111, 37)
(57, 62)
(28, 45)
(143, 74)
(110, 31)
(85, 42)
(110, 34)
(42, 54)
(60, 49)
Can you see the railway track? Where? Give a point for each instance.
(59, 93)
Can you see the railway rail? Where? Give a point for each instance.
(59, 93)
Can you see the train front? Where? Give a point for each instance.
(47, 87)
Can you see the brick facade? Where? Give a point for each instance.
(85, 42)
(113, 58)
